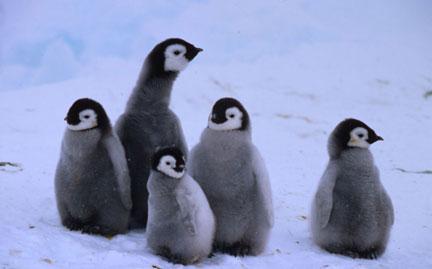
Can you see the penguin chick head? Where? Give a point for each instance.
(169, 161)
(85, 114)
(228, 114)
(172, 55)
(352, 133)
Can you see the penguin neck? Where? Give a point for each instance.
(357, 158)
(162, 186)
(227, 138)
(153, 89)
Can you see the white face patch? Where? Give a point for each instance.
(88, 120)
(175, 59)
(167, 164)
(234, 120)
(358, 138)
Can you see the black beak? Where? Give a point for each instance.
(192, 52)
(179, 169)
(374, 139)
(66, 118)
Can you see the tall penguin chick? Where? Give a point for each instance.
(351, 212)
(92, 181)
(233, 175)
(181, 224)
(148, 122)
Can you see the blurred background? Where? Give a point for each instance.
(50, 41)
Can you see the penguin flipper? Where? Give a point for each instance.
(118, 160)
(188, 209)
(324, 196)
(263, 188)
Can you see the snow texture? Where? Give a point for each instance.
(299, 68)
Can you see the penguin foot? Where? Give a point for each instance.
(97, 229)
(371, 254)
(175, 258)
(236, 249)
(72, 224)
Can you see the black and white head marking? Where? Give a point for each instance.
(85, 114)
(354, 133)
(171, 55)
(228, 114)
(169, 161)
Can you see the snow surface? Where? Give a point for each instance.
(299, 67)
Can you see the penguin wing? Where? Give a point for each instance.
(118, 160)
(324, 196)
(188, 209)
(263, 188)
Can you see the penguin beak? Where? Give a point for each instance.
(179, 168)
(66, 118)
(192, 52)
(375, 138)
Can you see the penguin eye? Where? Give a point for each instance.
(360, 135)
(86, 116)
(176, 52)
(168, 163)
(231, 116)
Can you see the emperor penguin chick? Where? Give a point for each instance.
(181, 224)
(92, 181)
(148, 122)
(351, 212)
(233, 175)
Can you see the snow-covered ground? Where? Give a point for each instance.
(299, 67)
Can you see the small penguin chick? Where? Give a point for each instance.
(85, 114)
(228, 114)
(172, 55)
(169, 161)
(233, 175)
(92, 183)
(351, 133)
(352, 213)
(181, 224)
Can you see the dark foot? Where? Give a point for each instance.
(175, 258)
(236, 249)
(371, 254)
(72, 224)
(97, 229)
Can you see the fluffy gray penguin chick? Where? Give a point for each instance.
(92, 183)
(181, 224)
(148, 122)
(233, 175)
(351, 212)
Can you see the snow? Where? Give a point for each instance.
(299, 67)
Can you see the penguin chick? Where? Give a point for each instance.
(148, 122)
(92, 183)
(351, 212)
(233, 175)
(181, 224)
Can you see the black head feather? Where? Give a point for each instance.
(80, 105)
(219, 116)
(156, 58)
(175, 152)
(340, 136)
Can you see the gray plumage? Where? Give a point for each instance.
(92, 182)
(232, 174)
(181, 224)
(149, 123)
(351, 212)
